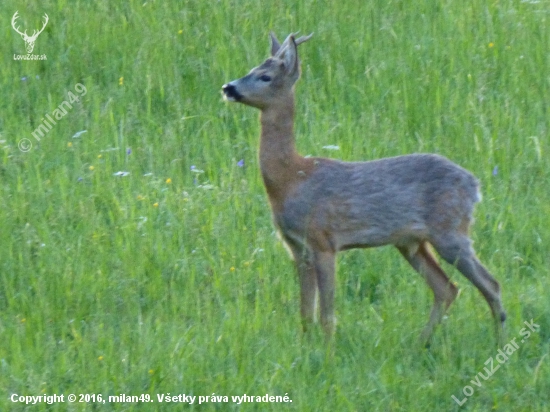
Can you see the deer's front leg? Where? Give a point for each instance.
(308, 288)
(324, 263)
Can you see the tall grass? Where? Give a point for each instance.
(170, 279)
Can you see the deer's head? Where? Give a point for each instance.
(29, 40)
(271, 80)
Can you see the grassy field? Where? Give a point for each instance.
(169, 280)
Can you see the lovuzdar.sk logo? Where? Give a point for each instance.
(29, 40)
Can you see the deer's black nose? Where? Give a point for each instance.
(230, 92)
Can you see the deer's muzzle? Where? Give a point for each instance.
(230, 93)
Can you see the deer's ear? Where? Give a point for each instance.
(275, 45)
(289, 55)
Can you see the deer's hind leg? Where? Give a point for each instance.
(445, 292)
(457, 250)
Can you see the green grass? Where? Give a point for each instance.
(175, 283)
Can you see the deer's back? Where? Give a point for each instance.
(387, 201)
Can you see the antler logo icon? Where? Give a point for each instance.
(29, 40)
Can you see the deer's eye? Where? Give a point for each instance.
(265, 78)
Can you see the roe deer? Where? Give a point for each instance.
(322, 206)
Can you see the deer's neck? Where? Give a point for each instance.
(281, 165)
(277, 146)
